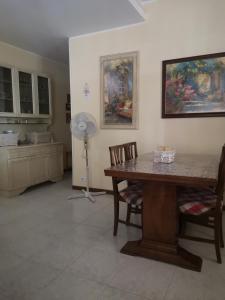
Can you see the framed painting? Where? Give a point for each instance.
(118, 90)
(194, 86)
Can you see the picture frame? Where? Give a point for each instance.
(118, 89)
(194, 86)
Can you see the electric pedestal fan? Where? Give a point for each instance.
(83, 126)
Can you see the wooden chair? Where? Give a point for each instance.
(132, 195)
(205, 207)
(130, 150)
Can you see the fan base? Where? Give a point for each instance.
(87, 195)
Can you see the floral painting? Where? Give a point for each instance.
(194, 86)
(119, 91)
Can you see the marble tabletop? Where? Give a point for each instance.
(189, 166)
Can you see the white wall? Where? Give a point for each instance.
(175, 28)
(59, 74)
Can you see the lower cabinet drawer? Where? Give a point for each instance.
(38, 169)
(31, 151)
(55, 165)
(41, 166)
(19, 153)
(18, 173)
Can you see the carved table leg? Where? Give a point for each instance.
(160, 220)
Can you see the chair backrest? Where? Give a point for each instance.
(220, 188)
(130, 150)
(117, 154)
(121, 153)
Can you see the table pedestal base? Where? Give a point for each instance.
(177, 256)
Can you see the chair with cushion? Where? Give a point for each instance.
(205, 207)
(130, 150)
(132, 194)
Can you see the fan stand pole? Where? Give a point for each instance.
(86, 194)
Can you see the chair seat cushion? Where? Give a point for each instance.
(135, 182)
(196, 201)
(133, 194)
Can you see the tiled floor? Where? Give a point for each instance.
(52, 248)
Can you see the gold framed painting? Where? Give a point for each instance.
(194, 87)
(118, 88)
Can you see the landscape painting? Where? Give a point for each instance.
(194, 86)
(119, 91)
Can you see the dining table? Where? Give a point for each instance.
(161, 185)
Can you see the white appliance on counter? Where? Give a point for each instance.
(8, 139)
(39, 137)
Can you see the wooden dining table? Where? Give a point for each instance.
(160, 210)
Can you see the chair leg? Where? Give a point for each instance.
(116, 216)
(182, 227)
(221, 233)
(128, 214)
(217, 232)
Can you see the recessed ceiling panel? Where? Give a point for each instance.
(44, 26)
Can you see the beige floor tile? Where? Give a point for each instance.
(185, 285)
(8, 260)
(52, 249)
(60, 254)
(23, 281)
(98, 264)
(144, 277)
(110, 293)
(71, 287)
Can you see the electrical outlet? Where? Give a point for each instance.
(83, 178)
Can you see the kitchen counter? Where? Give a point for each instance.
(26, 165)
(31, 145)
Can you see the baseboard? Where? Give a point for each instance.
(78, 187)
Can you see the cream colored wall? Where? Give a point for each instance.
(59, 75)
(175, 28)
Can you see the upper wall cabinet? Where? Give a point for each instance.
(7, 106)
(44, 95)
(24, 94)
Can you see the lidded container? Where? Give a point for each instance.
(39, 137)
(8, 138)
(164, 154)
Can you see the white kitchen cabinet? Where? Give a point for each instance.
(24, 166)
(38, 169)
(44, 95)
(18, 173)
(24, 94)
(54, 166)
(8, 105)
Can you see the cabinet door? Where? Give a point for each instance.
(44, 97)
(6, 91)
(38, 169)
(55, 166)
(26, 93)
(19, 173)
